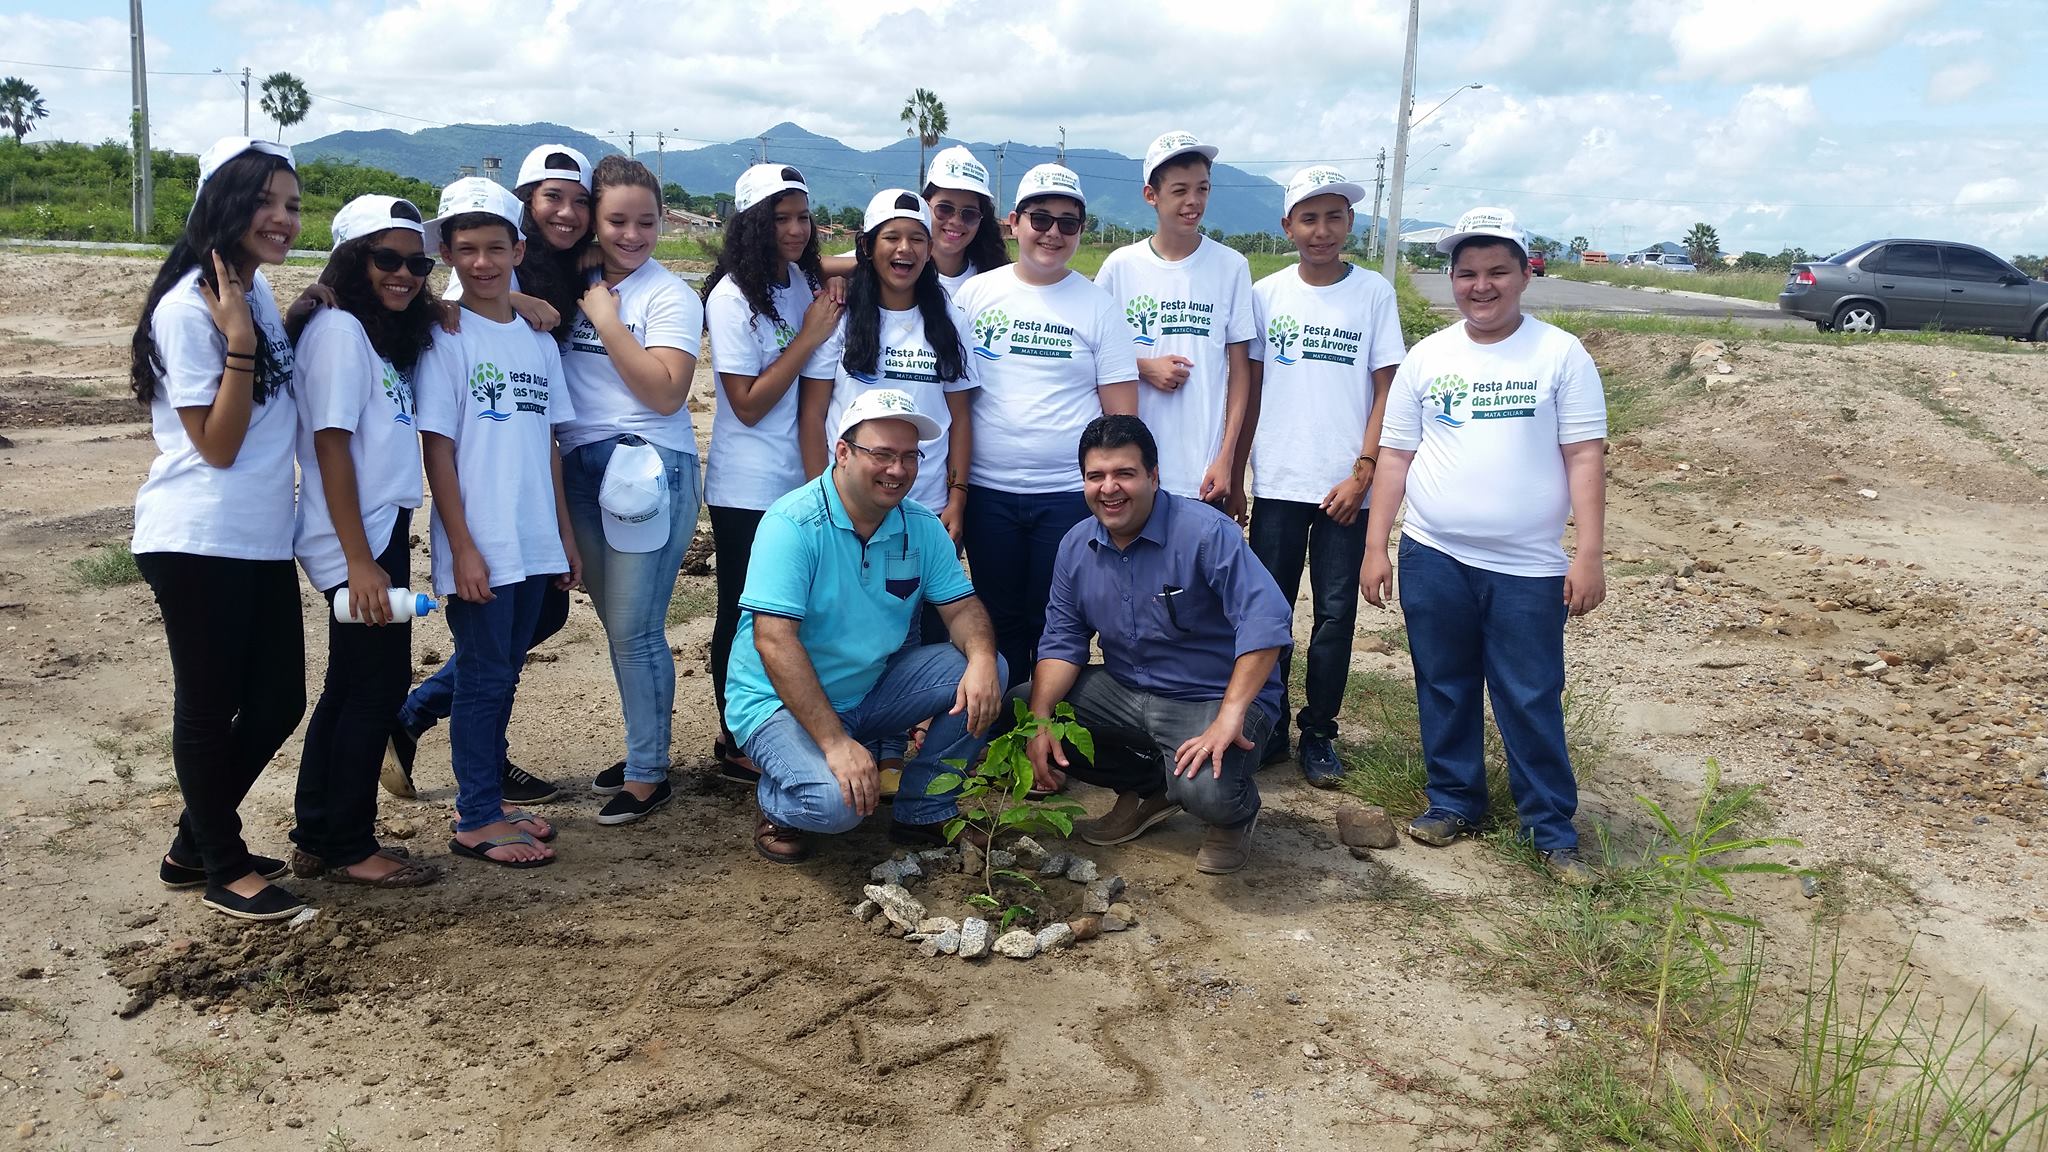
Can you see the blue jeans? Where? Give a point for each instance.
(631, 592)
(1137, 735)
(434, 698)
(490, 649)
(1012, 539)
(797, 790)
(1283, 531)
(1469, 627)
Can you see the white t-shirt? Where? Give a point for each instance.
(952, 283)
(243, 511)
(753, 467)
(1485, 422)
(1043, 352)
(497, 391)
(906, 362)
(1197, 308)
(343, 383)
(1320, 347)
(661, 312)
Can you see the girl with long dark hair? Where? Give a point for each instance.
(967, 231)
(359, 466)
(213, 522)
(629, 468)
(766, 318)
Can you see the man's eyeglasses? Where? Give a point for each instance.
(886, 459)
(391, 259)
(968, 216)
(1044, 221)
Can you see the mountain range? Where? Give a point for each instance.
(838, 175)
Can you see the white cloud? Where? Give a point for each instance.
(1945, 37)
(1956, 82)
(1742, 40)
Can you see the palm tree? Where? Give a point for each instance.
(21, 105)
(926, 117)
(1701, 244)
(285, 100)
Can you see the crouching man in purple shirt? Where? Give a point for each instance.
(1191, 627)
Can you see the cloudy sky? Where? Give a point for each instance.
(1816, 123)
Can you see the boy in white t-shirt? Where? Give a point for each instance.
(1332, 339)
(1495, 429)
(488, 399)
(1188, 301)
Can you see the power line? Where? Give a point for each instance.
(86, 68)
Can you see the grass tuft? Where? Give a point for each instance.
(106, 567)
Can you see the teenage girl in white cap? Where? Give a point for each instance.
(213, 522)
(359, 465)
(766, 317)
(967, 232)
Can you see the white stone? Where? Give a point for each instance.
(902, 909)
(1017, 944)
(1082, 870)
(974, 938)
(1055, 936)
(935, 925)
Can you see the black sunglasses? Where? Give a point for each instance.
(1043, 222)
(944, 211)
(391, 259)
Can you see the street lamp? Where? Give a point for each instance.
(1423, 155)
(1439, 104)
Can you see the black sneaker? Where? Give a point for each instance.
(1276, 750)
(522, 787)
(176, 875)
(400, 748)
(623, 808)
(609, 781)
(273, 903)
(1319, 763)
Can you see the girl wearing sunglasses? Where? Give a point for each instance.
(967, 235)
(766, 318)
(359, 465)
(1054, 352)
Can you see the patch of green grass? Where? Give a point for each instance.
(1581, 323)
(213, 1070)
(106, 567)
(1761, 286)
(692, 598)
(1588, 1100)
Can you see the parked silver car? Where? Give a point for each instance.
(1917, 284)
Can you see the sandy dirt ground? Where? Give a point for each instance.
(1826, 571)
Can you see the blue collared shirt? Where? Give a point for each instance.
(854, 599)
(1174, 610)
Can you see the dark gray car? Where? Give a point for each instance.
(1917, 284)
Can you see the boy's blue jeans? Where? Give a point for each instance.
(490, 649)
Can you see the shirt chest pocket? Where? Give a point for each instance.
(903, 574)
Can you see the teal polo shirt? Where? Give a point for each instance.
(854, 599)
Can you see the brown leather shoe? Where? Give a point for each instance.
(1131, 817)
(1225, 850)
(780, 845)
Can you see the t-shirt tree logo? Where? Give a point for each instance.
(1451, 392)
(1143, 313)
(398, 390)
(784, 334)
(991, 326)
(487, 383)
(1282, 334)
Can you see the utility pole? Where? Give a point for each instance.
(660, 144)
(1373, 236)
(764, 148)
(999, 179)
(631, 136)
(1063, 147)
(142, 187)
(1392, 260)
(245, 100)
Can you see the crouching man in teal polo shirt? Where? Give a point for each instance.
(820, 668)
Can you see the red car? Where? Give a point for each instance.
(1536, 263)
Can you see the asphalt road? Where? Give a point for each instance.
(1549, 294)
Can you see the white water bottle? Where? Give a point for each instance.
(405, 604)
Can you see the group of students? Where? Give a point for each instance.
(545, 402)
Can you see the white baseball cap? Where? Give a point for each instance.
(634, 498)
(1498, 222)
(1318, 180)
(1048, 180)
(888, 404)
(762, 181)
(1174, 144)
(883, 209)
(227, 148)
(368, 215)
(476, 194)
(956, 167)
(536, 168)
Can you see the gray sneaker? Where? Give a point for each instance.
(1440, 828)
(1225, 850)
(1131, 817)
(1567, 869)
